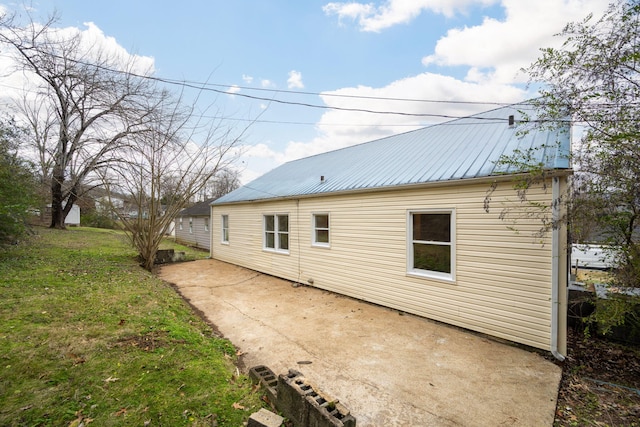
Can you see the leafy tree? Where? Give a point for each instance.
(594, 80)
(17, 184)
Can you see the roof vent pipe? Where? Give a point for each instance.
(512, 120)
(321, 178)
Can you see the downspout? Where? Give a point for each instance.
(298, 238)
(555, 266)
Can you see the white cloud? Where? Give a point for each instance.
(496, 50)
(94, 39)
(247, 79)
(338, 129)
(295, 80)
(489, 54)
(393, 12)
(93, 42)
(342, 128)
(266, 83)
(233, 89)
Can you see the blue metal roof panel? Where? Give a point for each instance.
(460, 149)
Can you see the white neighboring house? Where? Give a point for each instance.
(73, 218)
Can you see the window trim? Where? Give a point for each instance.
(411, 271)
(276, 232)
(224, 237)
(314, 230)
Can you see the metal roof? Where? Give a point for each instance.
(199, 209)
(459, 149)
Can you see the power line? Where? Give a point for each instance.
(184, 83)
(211, 87)
(334, 95)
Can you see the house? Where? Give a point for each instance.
(402, 222)
(192, 225)
(73, 217)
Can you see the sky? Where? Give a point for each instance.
(292, 70)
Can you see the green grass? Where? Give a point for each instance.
(87, 335)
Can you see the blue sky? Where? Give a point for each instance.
(441, 50)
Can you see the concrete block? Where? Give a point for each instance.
(267, 379)
(264, 418)
(164, 256)
(306, 406)
(324, 412)
(291, 397)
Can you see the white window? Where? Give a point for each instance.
(431, 244)
(320, 229)
(190, 225)
(206, 223)
(180, 224)
(276, 232)
(225, 228)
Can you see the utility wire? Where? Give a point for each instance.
(211, 87)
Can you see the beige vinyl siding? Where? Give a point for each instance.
(199, 238)
(502, 283)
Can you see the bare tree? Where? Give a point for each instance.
(39, 116)
(90, 102)
(225, 181)
(167, 166)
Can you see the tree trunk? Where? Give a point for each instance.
(57, 212)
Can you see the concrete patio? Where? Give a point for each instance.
(388, 368)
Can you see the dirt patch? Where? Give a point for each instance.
(600, 383)
(150, 341)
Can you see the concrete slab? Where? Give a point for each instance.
(389, 369)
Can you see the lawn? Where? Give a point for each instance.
(89, 337)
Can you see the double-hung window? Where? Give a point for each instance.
(431, 245)
(225, 228)
(206, 223)
(321, 229)
(190, 225)
(276, 232)
(180, 224)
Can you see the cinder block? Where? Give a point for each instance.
(267, 379)
(264, 418)
(306, 406)
(325, 412)
(292, 390)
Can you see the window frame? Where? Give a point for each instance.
(180, 224)
(277, 233)
(206, 223)
(190, 225)
(431, 274)
(224, 229)
(315, 229)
